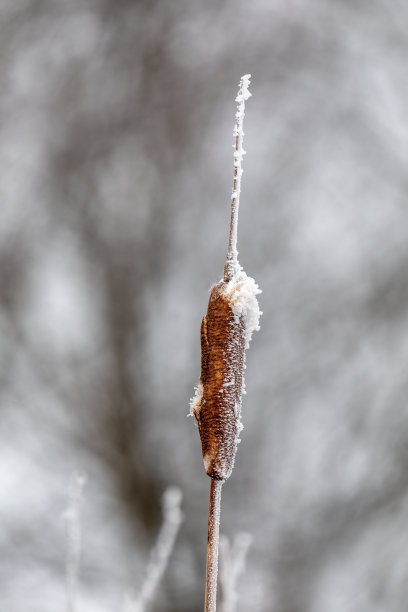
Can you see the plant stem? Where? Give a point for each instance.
(232, 265)
(212, 545)
(232, 253)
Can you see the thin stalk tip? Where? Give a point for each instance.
(232, 266)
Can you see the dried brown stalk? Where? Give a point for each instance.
(212, 545)
(232, 315)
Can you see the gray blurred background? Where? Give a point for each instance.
(116, 121)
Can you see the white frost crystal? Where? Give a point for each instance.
(195, 401)
(242, 290)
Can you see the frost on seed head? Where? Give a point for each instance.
(242, 291)
(195, 401)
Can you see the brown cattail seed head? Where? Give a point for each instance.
(232, 315)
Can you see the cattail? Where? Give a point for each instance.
(233, 314)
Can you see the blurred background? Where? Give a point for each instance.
(116, 121)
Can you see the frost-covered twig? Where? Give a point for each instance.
(232, 265)
(73, 534)
(232, 315)
(232, 564)
(159, 556)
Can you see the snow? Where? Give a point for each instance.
(242, 290)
